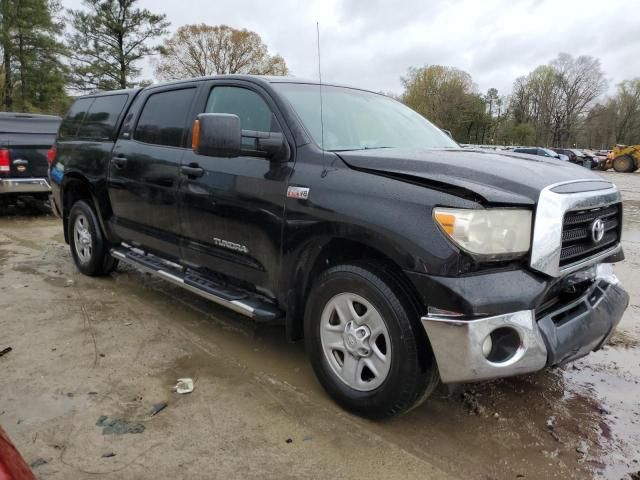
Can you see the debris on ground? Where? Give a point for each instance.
(5, 351)
(184, 385)
(582, 448)
(289, 440)
(551, 422)
(38, 462)
(118, 426)
(472, 403)
(157, 408)
(108, 455)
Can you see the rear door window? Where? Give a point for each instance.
(75, 116)
(163, 117)
(100, 121)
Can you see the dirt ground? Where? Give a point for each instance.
(84, 349)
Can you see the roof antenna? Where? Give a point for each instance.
(321, 109)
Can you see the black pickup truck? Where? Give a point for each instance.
(25, 143)
(400, 258)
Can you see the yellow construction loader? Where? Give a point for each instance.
(625, 158)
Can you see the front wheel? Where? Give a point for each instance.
(89, 248)
(366, 343)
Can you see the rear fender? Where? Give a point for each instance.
(76, 186)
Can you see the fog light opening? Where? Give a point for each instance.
(501, 345)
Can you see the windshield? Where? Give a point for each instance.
(551, 153)
(358, 120)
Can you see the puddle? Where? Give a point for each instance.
(611, 377)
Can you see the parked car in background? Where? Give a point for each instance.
(25, 141)
(541, 152)
(605, 159)
(570, 154)
(591, 160)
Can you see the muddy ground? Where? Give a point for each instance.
(84, 349)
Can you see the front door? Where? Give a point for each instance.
(232, 215)
(144, 171)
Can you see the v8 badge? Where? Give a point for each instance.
(301, 193)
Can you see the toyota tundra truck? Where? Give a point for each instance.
(400, 258)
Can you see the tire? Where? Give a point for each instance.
(394, 367)
(89, 248)
(625, 164)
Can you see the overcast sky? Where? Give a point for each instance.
(372, 43)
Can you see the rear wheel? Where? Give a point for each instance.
(89, 248)
(365, 342)
(625, 163)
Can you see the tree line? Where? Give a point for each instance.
(561, 104)
(50, 54)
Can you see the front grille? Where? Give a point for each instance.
(577, 242)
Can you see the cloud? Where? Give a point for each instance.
(372, 43)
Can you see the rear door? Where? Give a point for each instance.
(144, 170)
(232, 215)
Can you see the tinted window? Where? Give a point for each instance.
(252, 110)
(102, 116)
(72, 121)
(162, 120)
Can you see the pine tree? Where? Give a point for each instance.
(108, 40)
(34, 76)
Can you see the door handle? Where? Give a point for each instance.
(193, 170)
(119, 162)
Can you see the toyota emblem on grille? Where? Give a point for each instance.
(597, 230)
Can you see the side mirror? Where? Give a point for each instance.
(273, 145)
(217, 135)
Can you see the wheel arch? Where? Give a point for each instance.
(322, 253)
(77, 187)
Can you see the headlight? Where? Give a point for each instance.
(491, 233)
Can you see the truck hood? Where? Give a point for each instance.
(508, 177)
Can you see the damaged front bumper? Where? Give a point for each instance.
(519, 342)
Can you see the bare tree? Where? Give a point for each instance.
(581, 81)
(626, 105)
(199, 50)
(554, 99)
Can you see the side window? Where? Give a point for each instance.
(253, 111)
(75, 115)
(102, 116)
(162, 121)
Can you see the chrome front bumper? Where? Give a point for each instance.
(24, 185)
(458, 344)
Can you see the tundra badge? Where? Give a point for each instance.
(230, 245)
